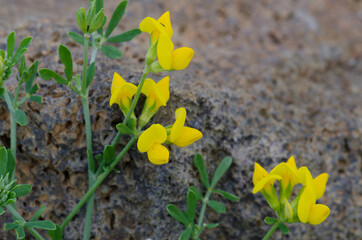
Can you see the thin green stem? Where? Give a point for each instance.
(133, 104)
(97, 183)
(10, 105)
(202, 212)
(17, 216)
(88, 126)
(271, 231)
(15, 102)
(85, 63)
(94, 48)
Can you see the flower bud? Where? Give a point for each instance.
(156, 67)
(151, 53)
(97, 21)
(81, 20)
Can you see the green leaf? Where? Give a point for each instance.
(116, 17)
(36, 98)
(56, 234)
(48, 74)
(99, 5)
(185, 235)
(111, 51)
(22, 189)
(66, 58)
(38, 213)
(20, 117)
(200, 164)
(3, 161)
(2, 211)
(2, 53)
(100, 30)
(10, 45)
(23, 45)
(90, 73)
(283, 228)
(176, 214)
(196, 192)
(124, 129)
(47, 225)
(270, 220)
(24, 76)
(212, 225)
(22, 66)
(227, 195)
(125, 37)
(191, 205)
(217, 206)
(33, 70)
(221, 169)
(20, 233)
(19, 56)
(11, 226)
(109, 155)
(77, 38)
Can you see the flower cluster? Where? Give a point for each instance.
(303, 207)
(160, 56)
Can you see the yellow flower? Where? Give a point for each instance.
(289, 173)
(156, 27)
(264, 182)
(308, 210)
(171, 59)
(180, 135)
(122, 92)
(150, 142)
(157, 95)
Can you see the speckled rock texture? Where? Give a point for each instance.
(269, 79)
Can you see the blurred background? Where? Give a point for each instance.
(269, 79)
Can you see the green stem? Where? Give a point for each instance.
(271, 231)
(97, 183)
(15, 102)
(17, 216)
(88, 126)
(202, 213)
(94, 48)
(10, 105)
(133, 104)
(85, 64)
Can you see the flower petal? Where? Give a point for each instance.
(320, 183)
(306, 201)
(163, 85)
(178, 125)
(158, 154)
(117, 82)
(259, 173)
(164, 51)
(291, 163)
(148, 87)
(318, 214)
(305, 175)
(181, 58)
(187, 136)
(166, 22)
(147, 25)
(270, 178)
(155, 134)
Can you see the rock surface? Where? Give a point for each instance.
(268, 80)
